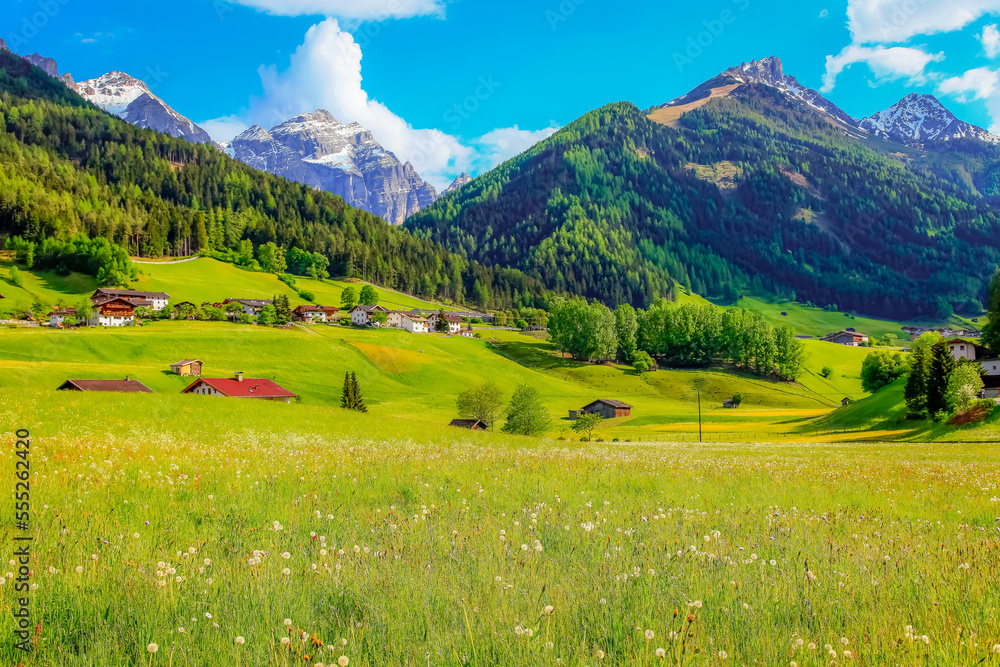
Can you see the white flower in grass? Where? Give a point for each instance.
(79, 569)
(152, 648)
(285, 640)
(996, 648)
(649, 635)
(548, 610)
(240, 641)
(286, 572)
(723, 655)
(180, 630)
(343, 661)
(925, 639)
(286, 555)
(661, 653)
(287, 622)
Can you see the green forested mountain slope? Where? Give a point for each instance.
(67, 168)
(750, 192)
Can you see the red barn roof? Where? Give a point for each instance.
(245, 388)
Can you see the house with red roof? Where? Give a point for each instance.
(240, 387)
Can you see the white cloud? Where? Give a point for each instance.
(349, 9)
(975, 84)
(887, 63)
(887, 21)
(823, 13)
(990, 39)
(504, 143)
(325, 73)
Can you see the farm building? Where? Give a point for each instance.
(315, 314)
(844, 403)
(729, 404)
(849, 338)
(250, 306)
(113, 312)
(187, 367)
(57, 317)
(126, 386)
(607, 408)
(471, 424)
(157, 300)
(240, 387)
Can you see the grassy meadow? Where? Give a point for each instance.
(417, 378)
(219, 534)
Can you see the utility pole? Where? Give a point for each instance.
(699, 415)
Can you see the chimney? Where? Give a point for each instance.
(239, 376)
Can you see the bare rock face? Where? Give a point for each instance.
(345, 159)
(132, 100)
(48, 65)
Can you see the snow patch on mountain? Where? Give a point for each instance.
(457, 183)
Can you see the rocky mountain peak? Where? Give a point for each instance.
(918, 118)
(317, 149)
(766, 70)
(3, 45)
(457, 183)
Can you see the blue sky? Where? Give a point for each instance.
(457, 85)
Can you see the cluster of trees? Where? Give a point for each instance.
(685, 335)
(350, 397)
(936, 385)
(524, 414)
(350, 297)
(71, 169)
(106, 261)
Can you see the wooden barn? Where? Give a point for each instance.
(471, 424)
(607, 408)
(126, 386)
(187, 367)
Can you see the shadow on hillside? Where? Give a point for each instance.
(534, 354)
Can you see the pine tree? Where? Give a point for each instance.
(358, 401)
(915, 392)
(346, 398)
(941, 366)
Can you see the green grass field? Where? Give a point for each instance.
(219, 534)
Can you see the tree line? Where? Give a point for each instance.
(684, 335)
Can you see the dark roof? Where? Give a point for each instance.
(124, 386)
(248, 388)
(66, 311)
(471, 424)
(108, 291)
(853, 334)
(611, 402)
(314, 309)
(367, 309)
(102, 301)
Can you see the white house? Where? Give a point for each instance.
(157, 300)
(361, 315)
(454, 322)
(963, 349)
(112, 312)
(395, 317)
(56, 317)
(414, 324)
(250, 306)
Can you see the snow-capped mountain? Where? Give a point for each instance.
(919, 118)
(318, 150)
(457, 183)
(769, 72)
(132, 100)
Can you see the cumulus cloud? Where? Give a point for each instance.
(887, 63)
(823, 13)
(990, 39)
(881, 21)
(325, 73)
(975, 84)
(361, 10)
